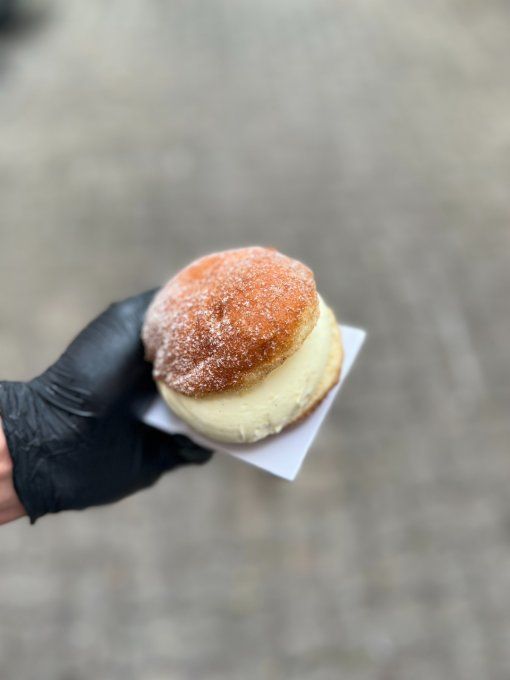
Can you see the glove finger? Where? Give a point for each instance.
(104, 363)
(162, 451)
(135, 306)
(191, 451)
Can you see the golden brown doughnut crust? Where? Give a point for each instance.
(228, 319)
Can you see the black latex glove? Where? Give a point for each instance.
(71, 432)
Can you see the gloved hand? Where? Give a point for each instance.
(71, 432)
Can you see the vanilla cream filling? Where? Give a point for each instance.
(267, 407)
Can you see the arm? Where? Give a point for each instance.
(10, 506)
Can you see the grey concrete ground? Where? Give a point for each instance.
(372, 140)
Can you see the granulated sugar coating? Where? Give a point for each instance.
(228, 319)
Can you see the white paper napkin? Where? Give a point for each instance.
(281, 454)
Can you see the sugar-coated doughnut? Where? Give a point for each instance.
(242, 345)
(228, 319)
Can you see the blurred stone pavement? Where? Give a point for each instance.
(370, 139)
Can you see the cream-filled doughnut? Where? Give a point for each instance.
(242, 345)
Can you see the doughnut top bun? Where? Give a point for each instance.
(228, 319)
